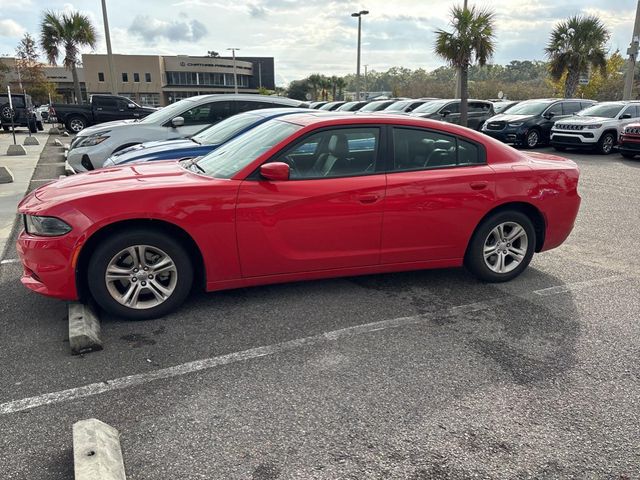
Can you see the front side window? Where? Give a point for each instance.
(343, 152)
(415, 149)
(555, 109)
(569, 108)
(451, 108)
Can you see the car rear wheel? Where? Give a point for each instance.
(606, 143)
(139, 274)
(76, 124)
(502, 247)
(532, 139)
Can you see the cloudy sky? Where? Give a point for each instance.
(313, 36)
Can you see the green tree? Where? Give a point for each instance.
(65, 34)
(339, 84)
(298, 89)
(31, 71)
(575, 46)
(471, 41)
(315, 82)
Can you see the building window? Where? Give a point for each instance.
(150, 99)
(125, 77)
(101, 76)
(147, 77)
(136, 77)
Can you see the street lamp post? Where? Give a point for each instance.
(359, 15)
(633, 55)
(107, 37)
(366, 89)
(235, 75)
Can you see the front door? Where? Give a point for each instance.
(328, 215)
(438, 188)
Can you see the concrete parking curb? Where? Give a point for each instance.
(5, 175)
(96, 451)
(16, 150)
(84, 329)
(31, 141)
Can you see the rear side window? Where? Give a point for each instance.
(415, 149)
(571, 107)
(478, 107)
(451, 108)
(247, 105)
(105, 102)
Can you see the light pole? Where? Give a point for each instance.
(359, 15)
(365, 82)
(107, 38)
(235, 75)
(633, 54)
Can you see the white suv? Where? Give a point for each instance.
(595, 127)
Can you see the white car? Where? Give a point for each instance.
(594, 128)
(93, 145)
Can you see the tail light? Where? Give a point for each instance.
(52, 111)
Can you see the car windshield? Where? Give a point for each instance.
(167, 113)
(221, 132)
(529, 108)
(375, 106)
(501, 107)
(347, 107)
(236, 154)
(430, 107)
(607, 110)
(398, 106)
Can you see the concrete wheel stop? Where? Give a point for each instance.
(31, 141)
(54, 131)
(97, 454)
(84, 329)
(5, 175)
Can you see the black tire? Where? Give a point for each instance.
(111, 246)
(474, 258)
(5, 113)
(40, 126)
(6, 128)
(628, 155)
(76, 123)
(32, 125)
(528, 141)
(606, 143)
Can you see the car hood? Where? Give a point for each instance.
(505, 117)
(117, 179)
(149, 151)
(580, 120)
(106, 126)
(154, 147)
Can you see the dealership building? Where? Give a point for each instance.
(159, 80)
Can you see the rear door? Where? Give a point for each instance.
(438, 188)
(478, 113)
(328, 215)
(453, 115)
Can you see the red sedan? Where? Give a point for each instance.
(303, 197)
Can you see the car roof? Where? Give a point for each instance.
(275, 112)
(363, 118)
(244, 96)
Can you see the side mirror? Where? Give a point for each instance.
(131, 106)
(177, 122)
(625, 116)
(276, 171)
(444, 113)
(549, 115)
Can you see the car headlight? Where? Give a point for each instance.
(516, 124)
(45, 226)
(595, 126)
(92, 140)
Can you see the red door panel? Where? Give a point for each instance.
(309, 225)
(431, 214)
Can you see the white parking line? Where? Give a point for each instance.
(209, 363)
(9, 260)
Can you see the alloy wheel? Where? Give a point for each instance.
(141, 276)
(76, 125)
(607, 144)
(505, 247)
(532, 139)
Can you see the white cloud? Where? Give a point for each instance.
(11, 28)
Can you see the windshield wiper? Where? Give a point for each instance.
(195, 141)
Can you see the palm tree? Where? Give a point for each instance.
(340, 84)
(334, 87)
(325, 84)
(471, 41)
(314, 82)
(68, 32)
(576, 45)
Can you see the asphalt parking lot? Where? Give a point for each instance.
(423, 375)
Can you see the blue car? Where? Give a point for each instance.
(201, 143)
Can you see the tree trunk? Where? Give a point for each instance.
(571, 83)
(464, 95)
(334, 92)
(76, 83)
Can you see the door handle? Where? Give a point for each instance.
(478, 185)
(369, 198)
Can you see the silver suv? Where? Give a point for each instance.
(594, 128)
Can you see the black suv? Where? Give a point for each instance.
(529, 123)
(23, 112)
(449, 111)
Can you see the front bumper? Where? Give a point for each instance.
(626, 146)
(82, 159)
(513, 135)
(48, 265)
(575, 140)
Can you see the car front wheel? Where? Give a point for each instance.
(606, 143)
(502, 247)
(139, 274)
(532, 139)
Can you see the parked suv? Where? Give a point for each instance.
(629, 142)
(529, 123)
(23, 112)
(449, 111)
(93, 145)
(595, 128)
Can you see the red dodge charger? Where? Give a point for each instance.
(308, 196)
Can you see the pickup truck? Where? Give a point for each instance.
(100, 109)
